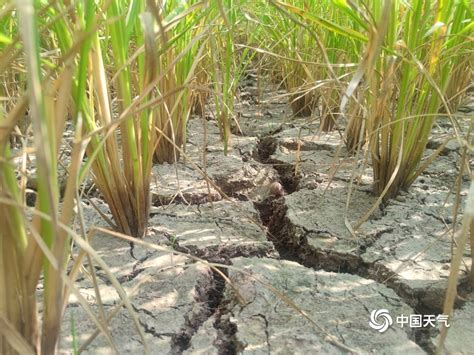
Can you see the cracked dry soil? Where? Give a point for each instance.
(275, 218)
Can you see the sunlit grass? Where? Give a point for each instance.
(406, 84)
(30, 249)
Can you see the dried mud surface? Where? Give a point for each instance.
(274, 213)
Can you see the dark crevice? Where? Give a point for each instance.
(223, 253)
(289, 179)
(212, 296)
(209, 294)
(146, 327)
(151, 330)
(422, 337)
(131, 276)
(267, 334)
(266, 147)
(186, 199)
(137, 268)
(226, 342)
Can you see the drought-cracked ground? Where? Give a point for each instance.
(274, 213)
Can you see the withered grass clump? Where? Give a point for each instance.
(407, 85)
(34, 243)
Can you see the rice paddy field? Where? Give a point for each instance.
(236, 177)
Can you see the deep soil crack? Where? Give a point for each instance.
(209, 294)
(282, 233)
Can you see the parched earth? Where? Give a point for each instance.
(281, 270)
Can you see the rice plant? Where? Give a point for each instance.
(38, 247)
(228, 64)
(182, 34)
(408, 82)
(308, 50)
(149, 83)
